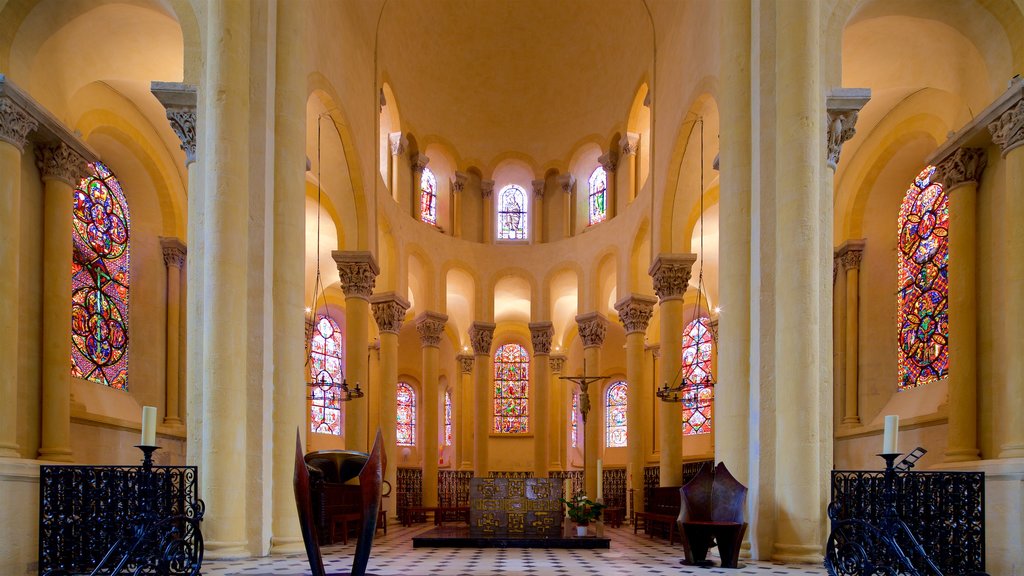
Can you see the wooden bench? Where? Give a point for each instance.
(661, 514)
(613, 516)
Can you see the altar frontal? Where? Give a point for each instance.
(515, 507)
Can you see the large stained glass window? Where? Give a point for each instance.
(100, 280)
(572, 417)
(511, 389)
(512, 219)
(615, 416)
(325, 361)
(922, 313)
(447, 418)
(598, 195)
(406, 432)
(428, 197)
(696, 370)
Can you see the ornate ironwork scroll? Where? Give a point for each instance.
(614, 487)
(453, 487)
(410, 489)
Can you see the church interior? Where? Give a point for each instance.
(791, 218)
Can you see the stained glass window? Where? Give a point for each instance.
(922, 313)
(698, 394)
(598, 195)
(615, 416)
(406, 431)
(100, 280)
(325, 361)
(428, 197)
(447, 418)
(511, 389)
(512, 217)
(572, 417)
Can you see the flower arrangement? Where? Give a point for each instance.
(583, 510)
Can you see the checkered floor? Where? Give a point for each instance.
(394, 555)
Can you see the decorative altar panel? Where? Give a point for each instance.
(515, 507)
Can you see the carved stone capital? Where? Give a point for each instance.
(174, 252)
(183, 122)
(398, 143)
(609, 161)
(430, 326)
(592, 327)
(541, 334)
(60, 162)
(629, 144)
(1008, 129)
(358, 272)
(566, 182)
(962, 166)
(671, 274)
(557, 363)
(465, 363)
(635, 311)
(480, 336)
(538, 188)
(389, 311)
(850, 253)
(655, 349)
(459, 184)
(15, 123)
(841, 108)
(418, 162)
(486, 188)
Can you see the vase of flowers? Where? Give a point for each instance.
(582, 511)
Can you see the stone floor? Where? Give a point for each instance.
(394, 555)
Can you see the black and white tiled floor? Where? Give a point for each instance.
(393, 555)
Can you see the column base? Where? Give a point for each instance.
(798, 553)
(172, 421)
(56, 454)
(1012, 451)
(962, 455)
(215, 550)
(287, 545)
(10, 451)
(851, 420)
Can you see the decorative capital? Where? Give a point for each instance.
(465, 363)
(459, 184)
(389, 311)
(655, 349)
(557, 362)
(566, 182)
(671, 274)
(174, 252)
(1008, 129)
(841, 108)
(430, 325)
(60, 162)
(962, 166)
(609, 161)
(183, 122)
(480, 336)
(15, 123)
(486, 188)
(850, 254)
(358, 272)
(629, 144)
(541, 334)
(635, 312)
(592, 327)
(418, 162)
(538, 188)
(398, 143)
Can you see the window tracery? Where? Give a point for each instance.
(428, 197)
(406, 430)
(598, 197)
(511, 389)
(615, 415)
(326, 360)
(512, 214)
(696, 371)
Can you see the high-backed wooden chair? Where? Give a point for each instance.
(713, 504)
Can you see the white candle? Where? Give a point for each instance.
(148, 426)
(600, 484)
(889, 439)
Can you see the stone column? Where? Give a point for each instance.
(15, 125)
(537, 207)
(463, 410)
(430, 326)
(838, 337)
(401, 177)
(850, 254)
(389, 313)
(629, 145)
(557, 417)
(174, 259)
(417, 163)
(671, 274)
(960, 173)
(373, 387)
(458, 210)
(635, 311)
(610, 162)
(592, 328)
(566, 183)
(358, 272)
(540, 335)
(61, 169)
(487, 192)
(480, 335)
(225, 276)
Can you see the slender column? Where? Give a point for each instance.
(401, 176)
(61, 168)
(389, 313)
(592, 328)
(566, 183)
(838, 336)
(537, 207)
(610, 162)
(671, 274)
(358, 272)
(174, 259)
(430, 326)
(540, 335)
(417, 163)
(850, 255)
(463, 410)
(480, 335)
(225, 276)
(373, 386)
(487, 192)
(557, 417)
(635, 311)
(629, 145)
(458, 210)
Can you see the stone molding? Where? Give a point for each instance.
(557, 363)
(459, 184)
(23, 119)
(430, 326)
(635, 311)
(480, 336)
(849, 255)
(1008, 129)
(486, 188)
(60, 162)
(358, 272)
(538, 188)
(592, 327)
(609, 161)
(389, 311)
(991, 125)
(15, 124)
(671, 274)
(629, 144)
(174, 251)
(566, 182)
(465, 363)
(961, 167)
(418, 162)
(541, 334)
(841, 108)
(398, 143)
(179, 100)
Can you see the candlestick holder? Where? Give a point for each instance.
(147, 455)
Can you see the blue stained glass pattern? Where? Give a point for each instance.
(325, 361)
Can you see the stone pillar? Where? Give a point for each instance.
(635, 311)
(389, 313)
(174, 259)
(850, 254)
(463, 409)
(401, 177)
(430, 326)
(671, 274)
(458, 210)
(557, 417)
(61, 169)
(225, 276)
(540, 335)
(487, 192)
(373, 387)
(838, 337)
(537, 207)
(592, 328)
(629, 145)
(610, 162)
(417, 163)
(358, 272)
(566, 183)
(480, 335)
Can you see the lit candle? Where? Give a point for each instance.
(892, 429)
(600, 484)
(148, 426)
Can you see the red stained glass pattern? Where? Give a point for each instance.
(100, 280)
(598, 195)
(698, 394)
(428, 197)
(615, 415)
(406, 432)
(512, 218)
(447, 418)
(923, 303)
(511, 389)
(572, 416)
(325, 362)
